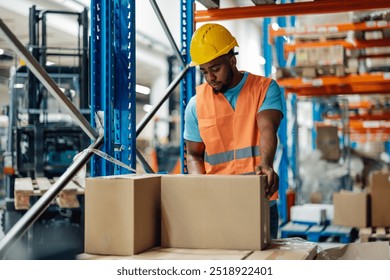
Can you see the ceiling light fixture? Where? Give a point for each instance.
(147, 107)
(142, 89)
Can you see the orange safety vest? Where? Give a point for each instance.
(231, 137)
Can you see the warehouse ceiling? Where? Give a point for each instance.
(62, 31)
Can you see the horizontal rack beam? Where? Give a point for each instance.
(330, 90)
(290, 9)
(330, 28)
(356, 44)
(333, 80)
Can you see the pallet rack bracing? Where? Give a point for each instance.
(112, 51)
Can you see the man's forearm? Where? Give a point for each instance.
(268, 145)
(268, 123)
(195, 165)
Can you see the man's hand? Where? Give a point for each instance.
(272, 179)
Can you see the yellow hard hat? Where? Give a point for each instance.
(209, 42)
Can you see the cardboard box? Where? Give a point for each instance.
(214, 212)
(316, 197)
(286, 249)
(331, 55)
(302, 57)
(351, 209)
(357, 251)
(314, 55)
(327, 142)
(380, 199)
(122, 214)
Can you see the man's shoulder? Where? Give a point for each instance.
(192, 102)
(259, 77)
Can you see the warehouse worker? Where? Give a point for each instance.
(231, 123)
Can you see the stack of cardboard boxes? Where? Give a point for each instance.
(365, 209)
(188, 217)
(181, 217)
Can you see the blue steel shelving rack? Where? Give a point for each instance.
(282, 151)
(112, 51)
(187, 87)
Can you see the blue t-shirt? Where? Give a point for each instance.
(273, 100)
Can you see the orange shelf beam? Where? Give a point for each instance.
(358, 44)
(330, 28)
(364, 104)
(384, 130)
(363, 117)
(289, 9)
(383, 88)
(332, 80)
(357, 124)
(364, 136)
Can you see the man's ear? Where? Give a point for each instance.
(233, 61)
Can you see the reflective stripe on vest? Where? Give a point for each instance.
(229, 155)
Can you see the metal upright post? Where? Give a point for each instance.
(124, 85)
(293, 148)
(101, 80)
(318, 109)
(283, 167)
(267, 50)
(84, 101)
(187, 87)
(113, 81)
(282, 132)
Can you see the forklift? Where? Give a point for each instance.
(42, 140)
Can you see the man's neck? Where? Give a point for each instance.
(237, 77)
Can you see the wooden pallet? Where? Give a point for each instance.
(374, 234)
(318, 233)
(26, 188)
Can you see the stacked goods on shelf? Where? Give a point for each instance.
(376, 58)
(312, 62)
(340, 49)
